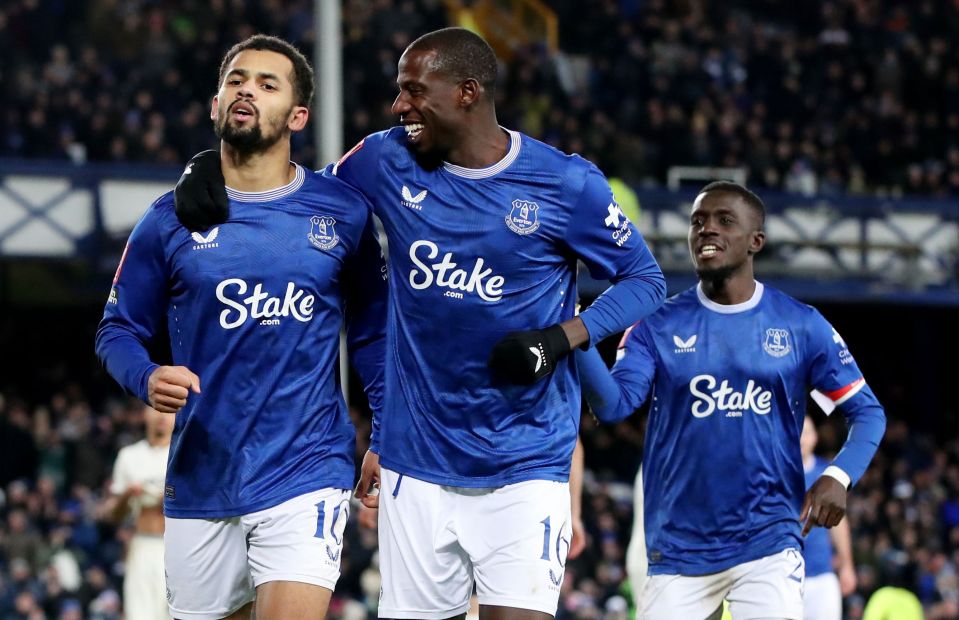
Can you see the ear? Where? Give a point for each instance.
(299, 115)
(757, 241)
(470, 92)
(214, 107)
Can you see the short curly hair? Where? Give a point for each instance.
(750, 198)
(302, 77)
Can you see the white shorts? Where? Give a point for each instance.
(144, 588)
(822, 597)
(770, 587)
(636, 563)
(213, 566)
(436, 541)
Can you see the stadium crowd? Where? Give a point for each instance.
(841, 96)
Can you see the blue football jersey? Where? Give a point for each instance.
(254, 307)
(475, 254)
(722, 470)
(817, 550)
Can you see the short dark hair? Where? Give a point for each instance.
(750, 198)
(461, 54)
(302, 77)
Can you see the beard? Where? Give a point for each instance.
(428, 161)
(716, 274)
(432, 156)
(251, 139)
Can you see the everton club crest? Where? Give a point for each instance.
(522, 218)
(777, 342)
(322, 232)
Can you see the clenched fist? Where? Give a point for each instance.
(169, 386)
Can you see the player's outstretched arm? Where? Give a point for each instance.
(526, 357)
(600, 390)
(633, 297)
(613, 249)
(200, 194)
(615, 395)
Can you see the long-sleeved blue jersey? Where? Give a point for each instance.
(817, 550)
(254, 307)
(722, 471)
(475, 254)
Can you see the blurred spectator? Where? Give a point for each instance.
(18, 455)
(841, 96)
(22, 544)
(137, 488)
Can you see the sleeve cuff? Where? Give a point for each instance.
(144, 383)
(834, 472)
(587, 317)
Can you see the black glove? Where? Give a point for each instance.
(524, 358)
(200, 194)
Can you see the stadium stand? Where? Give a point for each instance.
(846, 96)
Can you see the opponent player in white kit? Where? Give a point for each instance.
(261, 464)
(636, 562)
(482, 405)
(727, 366)
(137, 488)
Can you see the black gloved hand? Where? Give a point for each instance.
(200, 194)
(524, 358)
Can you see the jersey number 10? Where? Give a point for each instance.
(560, 541)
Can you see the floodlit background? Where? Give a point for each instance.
(842, 114)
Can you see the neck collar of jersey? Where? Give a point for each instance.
(271, 194)
(482, 173)
(749, 304)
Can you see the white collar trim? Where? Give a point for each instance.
(749, 304)
(271, 194)
(482, 173)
